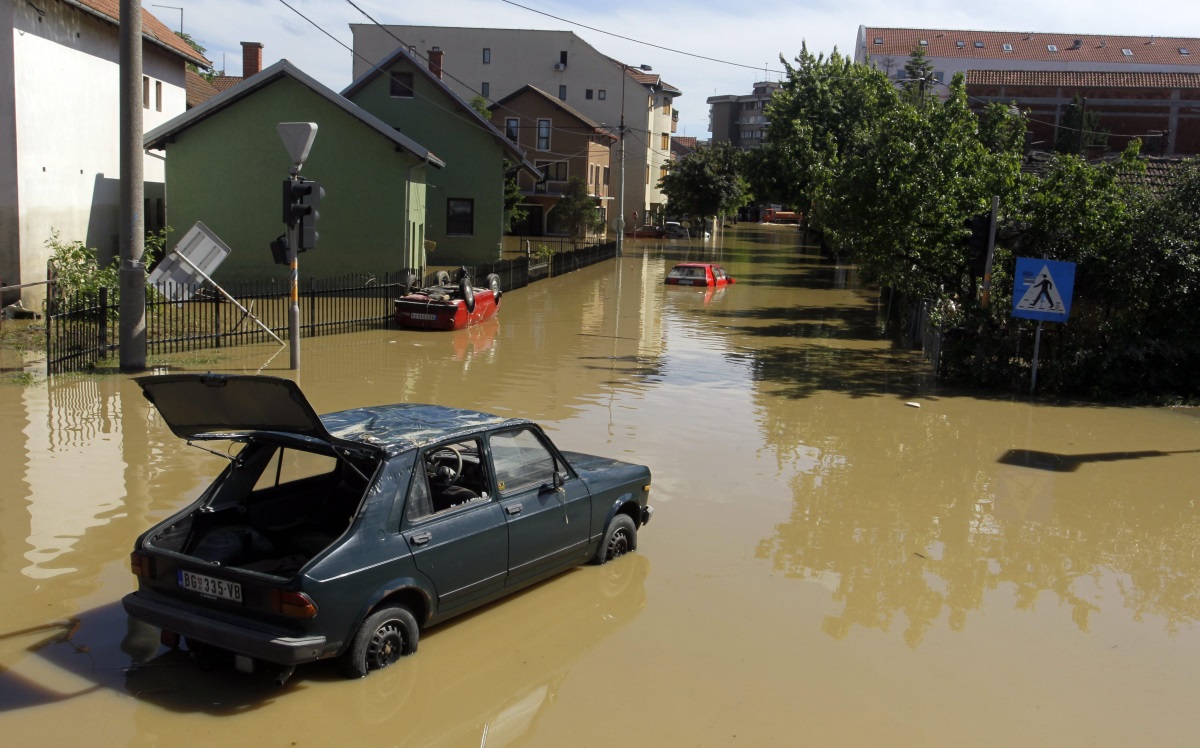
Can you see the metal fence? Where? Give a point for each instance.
(82, 329)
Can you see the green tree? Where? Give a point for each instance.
(822, 110)
(576, 212)
(707, 182)
(207, 75)
(480, 105)
(919, 86)
(513, 212)
(1079, 123)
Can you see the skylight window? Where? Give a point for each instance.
(1052, 47)
(1127, 52)
(924, 42)
(978, 45)
(960, 44)
(1007, 47)
(1184, 51)
(879, 40)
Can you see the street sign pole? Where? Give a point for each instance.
(297, 138)
(293, 239)
(1037, 344)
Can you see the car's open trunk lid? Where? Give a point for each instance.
(209, 404)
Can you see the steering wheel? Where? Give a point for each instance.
(444, 474)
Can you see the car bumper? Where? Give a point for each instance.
(647, 513)
(192, 622)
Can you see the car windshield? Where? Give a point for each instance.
(686, 272)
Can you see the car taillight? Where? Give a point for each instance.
(294, 604)
(141, 565)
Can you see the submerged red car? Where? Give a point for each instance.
(698, 274)
(449, 305)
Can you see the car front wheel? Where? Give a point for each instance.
(620, 538)
(387, 635)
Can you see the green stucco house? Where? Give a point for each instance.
(225, 166)
(465, 214)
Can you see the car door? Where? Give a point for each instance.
(460, 542)
(545, 504)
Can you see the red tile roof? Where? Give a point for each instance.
(1157, 50)
(151, 27)
(1082, 78)
(198, 89)
(225, 82)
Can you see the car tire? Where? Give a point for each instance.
(410, 283)
(468, 293)
(387, 635)
(620, 538)
(442, 278)
(493, 282)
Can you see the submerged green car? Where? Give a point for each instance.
(342, 535)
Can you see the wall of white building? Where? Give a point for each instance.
(63, 169)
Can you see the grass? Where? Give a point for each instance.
(18, 336)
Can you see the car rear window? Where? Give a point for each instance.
(686, 272)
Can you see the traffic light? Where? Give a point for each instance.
(279, 251)
(977, 243)
(301, 201)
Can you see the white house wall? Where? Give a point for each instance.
(65, 95)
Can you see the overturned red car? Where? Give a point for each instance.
(449, 305)
(698, 274)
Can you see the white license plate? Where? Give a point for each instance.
(210, 586)
(422, 315)
(685, 283)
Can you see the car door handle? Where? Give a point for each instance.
(513, 509)
(422, 539)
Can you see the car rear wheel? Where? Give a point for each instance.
(493, 282)
(387, 635)
(442, 278)
(620, 538)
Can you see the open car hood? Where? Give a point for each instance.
(198, 404)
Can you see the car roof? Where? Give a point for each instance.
(694, 264)
(404, 426)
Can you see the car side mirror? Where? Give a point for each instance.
(560, 478)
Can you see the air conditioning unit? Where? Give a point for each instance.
(560, 66)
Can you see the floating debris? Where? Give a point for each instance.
(913, 404)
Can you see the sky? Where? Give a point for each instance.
(702, 47)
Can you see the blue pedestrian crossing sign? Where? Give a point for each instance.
(1042, 289)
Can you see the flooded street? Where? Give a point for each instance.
(827, 564)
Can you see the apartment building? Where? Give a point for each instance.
(741, 119)
(495, 63)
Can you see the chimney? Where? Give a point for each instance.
(251, 58)
(435, 56)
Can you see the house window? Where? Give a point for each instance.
(1052, 47)
(562, 57)
(485, 89)
(487, 56)
(960, 44)
(145, 92)
(666, 141)
(511, 128)
(978, 45)
(587, 93)
(1127, 52)
(879, 40)
(602, 94)
(460, 216)
(1184, 51)
(606, 170)
(158, 96)
(924, 42)
(401, 85)
(666, 105)
(543, 134)
(554, 171)
(562, 93)
(647, 173)
(1007, 47)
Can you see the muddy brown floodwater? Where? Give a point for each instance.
(827, 565)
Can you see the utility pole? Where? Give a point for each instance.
(991, 251)
(132, 275)
(621, 170)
